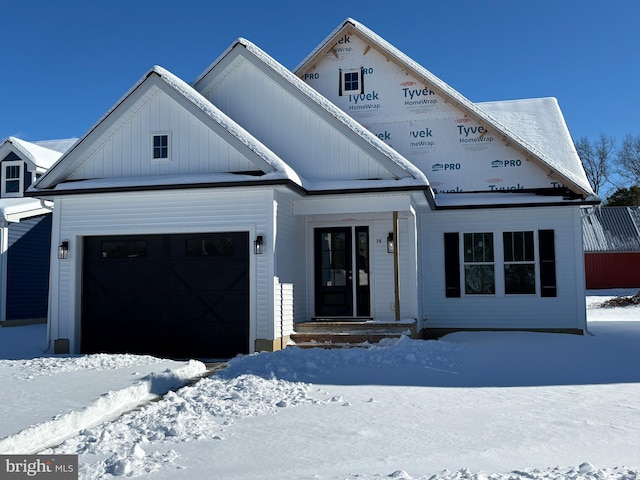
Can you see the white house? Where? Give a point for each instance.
(25, 229)
(208, 219)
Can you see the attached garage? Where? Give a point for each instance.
(178, 296)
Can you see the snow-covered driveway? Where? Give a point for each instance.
(474, 405)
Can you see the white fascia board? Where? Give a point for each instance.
(344, 204)
(16, 210)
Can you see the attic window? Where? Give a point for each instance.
(161, 146)
(351, 82)
(12, 179)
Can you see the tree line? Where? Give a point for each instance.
(613, 170)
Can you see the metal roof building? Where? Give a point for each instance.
(611, 239)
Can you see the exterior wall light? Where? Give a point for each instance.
(63, 250)
(390, 243)
(258, 245)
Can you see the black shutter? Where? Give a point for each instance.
(546, 245)
(362, 80)
(339, 82)
(452, 264)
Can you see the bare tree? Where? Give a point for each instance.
(628, 161)
(596, 159)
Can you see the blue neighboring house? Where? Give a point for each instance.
(25, 229)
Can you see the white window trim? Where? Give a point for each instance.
(20, 165)
(499, 263)
(168, 157)
(344, 73)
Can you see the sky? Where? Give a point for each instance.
(66, 63)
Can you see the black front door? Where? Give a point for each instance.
(337, 257)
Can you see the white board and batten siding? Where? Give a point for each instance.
(158, 212)
(127, 151)
(302, 133)
(565, 311)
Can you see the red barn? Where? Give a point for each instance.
(611, 247)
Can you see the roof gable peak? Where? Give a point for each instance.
(568, 173)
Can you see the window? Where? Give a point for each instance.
(124, 249)
(516, 254)
(479, 273)
(210, 247)
(351, 82)
(519, 263)
(12, 179)
(161, 146)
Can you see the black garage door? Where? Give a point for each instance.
(177, 296)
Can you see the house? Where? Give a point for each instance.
(25, 230)
(213, 218)
(611, 247)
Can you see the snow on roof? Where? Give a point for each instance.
(167, 180)
(572, 173)
(38, 155)
(14, 209)
(270, 159)
(404, 164)
(59, 145)
(540, 122)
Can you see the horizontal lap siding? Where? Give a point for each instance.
(157, 213)
(612, 270)
(503, 311)
(289, 255)
(28, 268)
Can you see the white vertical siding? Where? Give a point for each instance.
(313, 146)
(194, 146)
(499, 310)
(167, 212)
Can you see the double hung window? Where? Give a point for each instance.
(519, 263)
(479, 269)
(506, 263)
(12, 179)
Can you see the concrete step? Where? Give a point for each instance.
(347, 333)
(354, 327)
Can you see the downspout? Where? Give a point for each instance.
(47, 346)
(4, 226)
(396, 266)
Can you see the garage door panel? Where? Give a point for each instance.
(167, 295)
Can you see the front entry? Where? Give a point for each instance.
(339, 252)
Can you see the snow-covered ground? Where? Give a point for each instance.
(470, 406)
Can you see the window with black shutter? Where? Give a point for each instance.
(452, 264)
(546, 245)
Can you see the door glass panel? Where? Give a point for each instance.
(334, 271)
(363, 258)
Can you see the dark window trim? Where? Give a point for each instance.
(547, 259)
(452, 264)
